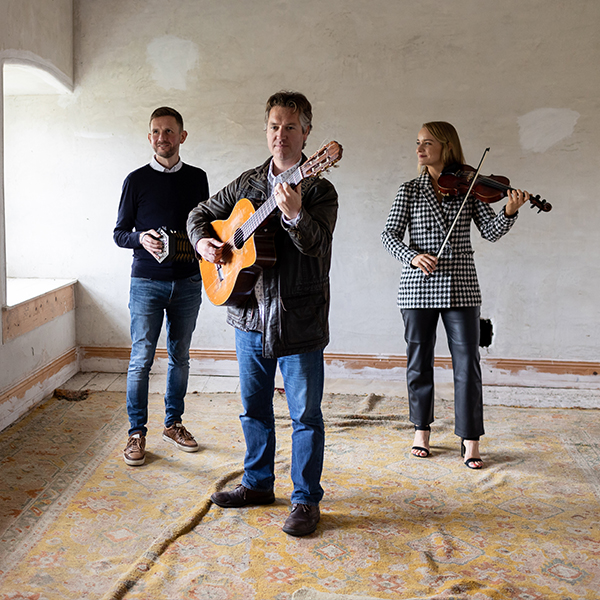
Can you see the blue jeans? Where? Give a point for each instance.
(149, 301)
(303, 377)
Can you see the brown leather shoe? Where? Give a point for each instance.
(302, 520)
(180, 437)
(242, 496)
(134, 454)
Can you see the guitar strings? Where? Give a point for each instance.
(254, 222)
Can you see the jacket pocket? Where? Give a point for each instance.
(304, 320)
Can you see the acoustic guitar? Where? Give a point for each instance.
(248, 238)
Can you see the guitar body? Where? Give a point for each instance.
(231, 283)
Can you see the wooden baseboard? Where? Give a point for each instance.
(510, 365)
(19, 399)
(377, 361)
(555, 367)
(39, 377)
(123, 353)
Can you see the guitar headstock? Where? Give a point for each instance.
(322, 160)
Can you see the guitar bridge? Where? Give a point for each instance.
(220, 273)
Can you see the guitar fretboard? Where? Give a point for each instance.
(254, 222)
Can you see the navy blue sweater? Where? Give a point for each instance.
(151, 199)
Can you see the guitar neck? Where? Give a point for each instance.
(255, 221)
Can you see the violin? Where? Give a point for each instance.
(456, 180)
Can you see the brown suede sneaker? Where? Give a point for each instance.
(134, 454)
(180, 437)
(302, 520)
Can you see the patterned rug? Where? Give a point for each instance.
(77, 523)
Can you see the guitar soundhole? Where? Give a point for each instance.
(238, 239)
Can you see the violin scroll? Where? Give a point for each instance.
(541, 204)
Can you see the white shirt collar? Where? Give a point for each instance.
(158, 167)
(275, 179)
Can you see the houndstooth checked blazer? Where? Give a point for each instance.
(454, 283)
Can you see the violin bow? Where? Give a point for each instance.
(441, 249)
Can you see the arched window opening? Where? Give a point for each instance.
(23, 208)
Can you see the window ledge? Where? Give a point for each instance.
(33, 302)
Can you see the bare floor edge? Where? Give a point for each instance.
(494, 395)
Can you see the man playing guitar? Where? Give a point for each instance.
(283, 320)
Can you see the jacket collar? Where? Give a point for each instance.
(261, 174)
(429, 195)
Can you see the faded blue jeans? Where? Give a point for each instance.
(149, 301)
(303, 377)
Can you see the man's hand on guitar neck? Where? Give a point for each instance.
(210, 250)
(289, 200)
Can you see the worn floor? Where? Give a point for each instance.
(536, 397)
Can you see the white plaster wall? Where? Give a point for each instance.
(519, 77)
(2, 220)
(39, 35)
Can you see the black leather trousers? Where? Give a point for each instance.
(462, 330)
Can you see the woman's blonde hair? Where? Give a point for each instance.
(446, 134)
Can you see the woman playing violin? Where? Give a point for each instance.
(446, 286)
